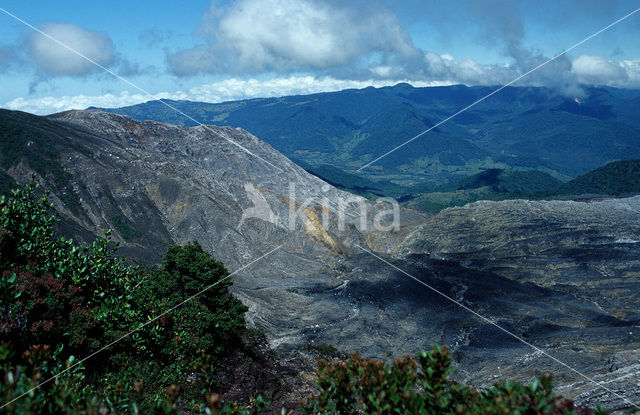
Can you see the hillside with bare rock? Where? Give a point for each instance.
(560, 275)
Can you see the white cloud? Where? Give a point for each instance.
(632, 68)
(358, 40)
(437, 63)
(50, 105)
(565, 75)
(599, 71)
(251, 36)
(227, 90)
(446, 68)
(55, 60)
(383, 71)
(234, 89)
(440, 70)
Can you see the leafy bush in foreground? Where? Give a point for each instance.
(59, 301)
(408, 386)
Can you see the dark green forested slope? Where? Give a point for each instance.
(616, 178)
(509, 181)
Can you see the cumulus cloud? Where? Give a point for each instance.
(450, 72)
(251, 36)
(499, 24)
(632, 67)
(338, 39)
(597, 70)
(467, 71)
(55, 60)
(227, 90)
(353, 40)
(50, 104)
(338, 44)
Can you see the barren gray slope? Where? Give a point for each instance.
(588, 251)
(196, 177)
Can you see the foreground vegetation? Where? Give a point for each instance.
(408, 386)
(82, 332)
(61, 302)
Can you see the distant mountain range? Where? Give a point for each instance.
(517, 128)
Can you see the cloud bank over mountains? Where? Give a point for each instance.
(227, 90)
(263, 48)
(357, 41)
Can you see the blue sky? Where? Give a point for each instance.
(217, 51)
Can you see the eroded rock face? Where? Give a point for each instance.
(221, 186)
(589, 249)
(195, 180)
(624, 359)
(560, 275)
(585, 253)
(622, 389)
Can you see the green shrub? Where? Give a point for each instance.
(70, 393)
(407, 386)
(186, 343)
(60, 301)
(53, 291)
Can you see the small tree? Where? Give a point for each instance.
(211, 322)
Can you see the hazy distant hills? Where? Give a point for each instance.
(517, 128)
